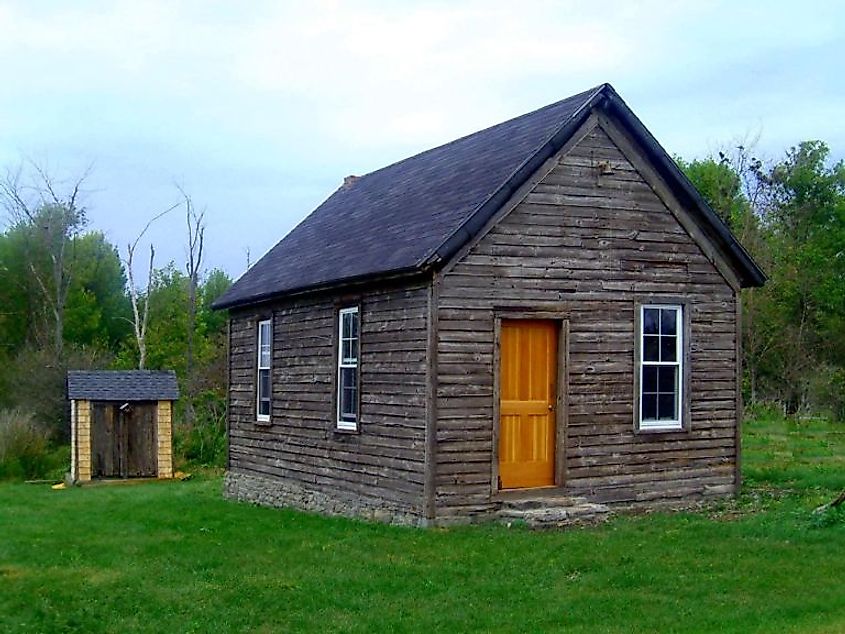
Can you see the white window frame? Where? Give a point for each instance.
(678, 422)
(264, 418)
(342, 424)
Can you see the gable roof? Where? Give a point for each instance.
(131, 385)
(415, 214)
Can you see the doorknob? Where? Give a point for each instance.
(551, 407)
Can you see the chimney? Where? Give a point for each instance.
(347, 181)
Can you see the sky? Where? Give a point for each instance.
(259, 109)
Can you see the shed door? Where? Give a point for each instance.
(124, 440)
(528, 395)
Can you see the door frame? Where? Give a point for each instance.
(562, 388)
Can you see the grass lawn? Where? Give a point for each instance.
(175, 557)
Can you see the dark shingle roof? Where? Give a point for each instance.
(419, 211)
(132, 385)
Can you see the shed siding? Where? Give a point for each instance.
(588, 248)
(383, 464)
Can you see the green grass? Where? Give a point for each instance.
(175, 557)
(805, 455)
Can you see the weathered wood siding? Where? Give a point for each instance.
(385, 460)
(588, 247)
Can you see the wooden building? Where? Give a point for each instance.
(534, 320)
(121, 424)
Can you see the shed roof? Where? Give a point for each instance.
(415, 214)
(130, 385)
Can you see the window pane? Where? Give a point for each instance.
(353, 348)
(666, 407)
(650, 321)
(350, 400)
(264, 383)
(668, 348)
(348, 393)
(346, 350)
(668, 321)
(649, 407)
(649, 378)
(264, 392)
(264, 345)
(651, 351)
(667, 382)
(354, 324)
(346, 325)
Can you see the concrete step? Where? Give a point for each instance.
(550, 512)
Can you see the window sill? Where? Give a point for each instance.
(661, 430)
(264, 422)
(343, 431)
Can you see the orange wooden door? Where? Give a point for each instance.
(528, 396)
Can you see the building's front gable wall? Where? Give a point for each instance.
(587, 247)
(298, 458)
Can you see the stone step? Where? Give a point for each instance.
(550, 512)
(539, 502)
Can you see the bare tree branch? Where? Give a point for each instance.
(194, 254)
(140, 316)
(53, 221)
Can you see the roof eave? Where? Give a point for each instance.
(418, 270)
(749, 273)
(606, 98)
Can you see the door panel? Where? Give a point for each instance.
(104, 442)
(141, 440)
(528, 397)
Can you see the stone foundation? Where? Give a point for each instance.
(283, 493)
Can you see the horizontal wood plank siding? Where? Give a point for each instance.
(384, 461)
(588, 246)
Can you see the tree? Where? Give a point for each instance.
(807, 223)
(193, 266)
(141, 307)
(51, 219)
(790, 215)
(97, 307)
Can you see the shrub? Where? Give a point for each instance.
(25, 450)
(204, 442)
(34, 382)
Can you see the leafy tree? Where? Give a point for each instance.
(721, 185)
(98, 309)
(791, 216)
(807, 225)
(50, 218)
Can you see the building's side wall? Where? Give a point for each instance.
(589, 247)
(298, 459)
(164, 438)
(82, 450)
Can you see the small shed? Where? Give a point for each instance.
(121, 424)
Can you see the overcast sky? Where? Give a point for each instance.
(259, 109)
